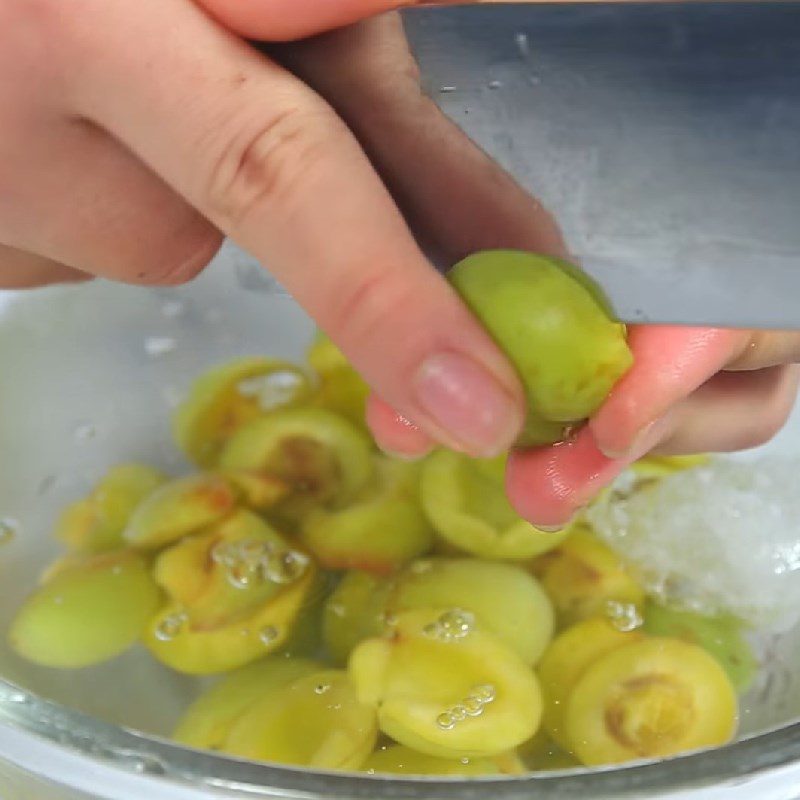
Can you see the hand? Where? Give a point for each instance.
(690, 390)
(134, 135)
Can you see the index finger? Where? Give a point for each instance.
(271, 165)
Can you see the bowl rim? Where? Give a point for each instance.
(135, 752)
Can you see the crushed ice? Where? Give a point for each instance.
(722, 537)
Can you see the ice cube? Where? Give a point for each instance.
(721, 537)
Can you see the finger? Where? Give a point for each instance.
(768, 349)
(287, 20)
(96, 207)
(271, 165)
(549, 485)
(368, 74)
(395, 434)
(669, 363)
(734, 411)
(21, 270)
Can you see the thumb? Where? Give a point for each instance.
(288, 20)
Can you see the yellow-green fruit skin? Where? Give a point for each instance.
(315, 721)
(209, 720)
(651, 699)
(87, 613)
(555, 329)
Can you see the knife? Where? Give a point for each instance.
(664, 137)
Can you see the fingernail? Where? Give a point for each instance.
(647, 438)
(467, 401)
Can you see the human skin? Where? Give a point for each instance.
(136, 135)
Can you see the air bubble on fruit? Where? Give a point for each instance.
(485, 693)
(285, 568)
(268, 634)
(8, 530)
(322, 688)
(171, 626)
(240, 574)
(624, 617)
(446, 721)
(454, 624)
(473, 705)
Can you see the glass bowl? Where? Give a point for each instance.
(90, 376)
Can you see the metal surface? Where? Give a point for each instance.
(665, 137)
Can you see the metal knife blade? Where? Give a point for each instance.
(664, 137)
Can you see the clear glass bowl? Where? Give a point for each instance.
(90, 375)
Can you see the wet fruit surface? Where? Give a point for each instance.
(555, 329)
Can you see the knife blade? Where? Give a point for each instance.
(665, 138)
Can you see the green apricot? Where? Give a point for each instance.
(721, 636)
(88, 612)
(555, 327)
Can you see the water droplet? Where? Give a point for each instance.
(322, 688)
(254, 551)
(486, 692)
(85, 431)
(523, 45)
(240, 574)
(286, 567)
(495, 84)
(445, 721)
(448, 89)
(465, 761)
(455, 624)
(156, 346)
(459, 712)
(274, 390)
(173, 308)
(421, 566)
(337, 609)
(9, 528)
(222, 553)
(170, 627)
(473, 706)
(625, 617)
(268, 635)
